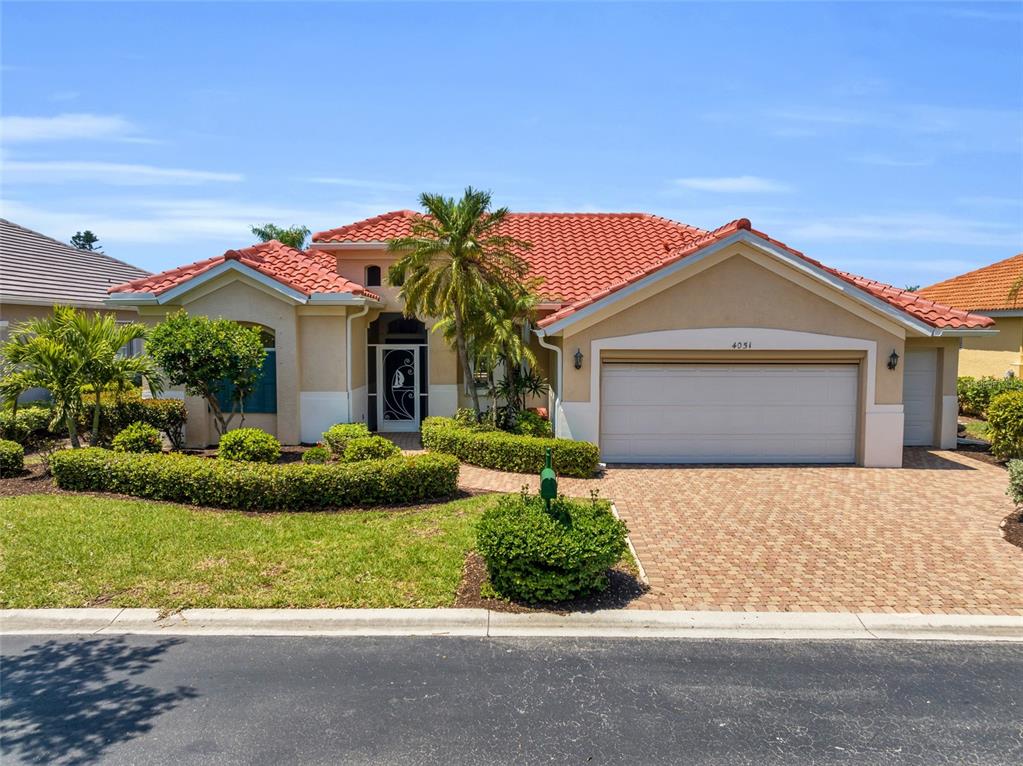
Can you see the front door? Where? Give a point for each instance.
(398, 381)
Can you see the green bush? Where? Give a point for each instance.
(369, 448)
(975, 394)
(1005, 419)
(12, 458)
(338, 436)
(317, 455)
(1015, 490)
(530, 424)
(26, 426)
(509, 452)
(138, 437)
(537, 556)
(118, 412)
(251, 445)
(180, 478)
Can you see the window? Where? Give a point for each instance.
(372, 276)
(263, 397)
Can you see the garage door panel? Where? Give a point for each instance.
(728, 413)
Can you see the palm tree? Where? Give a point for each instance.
(456, 266)
(67, 351)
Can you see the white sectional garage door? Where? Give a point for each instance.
(918, 397)
(728, 413)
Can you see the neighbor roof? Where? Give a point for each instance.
(38, 270)
(585, 257)
(308, 272)
(986, 288)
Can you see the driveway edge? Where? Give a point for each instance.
(482, 623)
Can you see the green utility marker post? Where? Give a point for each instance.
(548, 481)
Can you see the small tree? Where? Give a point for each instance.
(85, 240)
(292, 237)
(208, 355)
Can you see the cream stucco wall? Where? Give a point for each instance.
(994, 355)
(21, 312)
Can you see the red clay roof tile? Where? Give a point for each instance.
(984, 289)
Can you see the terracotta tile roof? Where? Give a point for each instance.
(573, 252)
(985, 289)
(927, 311)
(312, 271)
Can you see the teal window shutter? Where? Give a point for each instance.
(263, 397)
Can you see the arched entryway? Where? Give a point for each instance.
(397, 362)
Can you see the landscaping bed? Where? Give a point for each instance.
(87, 550)
(1012, 527)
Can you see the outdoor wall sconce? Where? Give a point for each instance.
(893, 360)
(578, 359)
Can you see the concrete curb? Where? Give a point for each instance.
(482, 623)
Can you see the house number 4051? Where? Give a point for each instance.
(742, 344)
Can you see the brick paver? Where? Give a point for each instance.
(924, 538)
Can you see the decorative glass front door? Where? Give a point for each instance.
(398, 383)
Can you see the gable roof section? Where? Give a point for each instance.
(982, 289)
(917, 307)
(40, 270)
(306, 272)
(575, 253)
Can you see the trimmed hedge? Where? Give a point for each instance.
(338, 436)
(179, 478)
(975, 394)
(369, 448)
(138, 437)
(1015, 490)
(537, 556)
(249, 444)
(117, 413)
(1005, 418)
(26, 426)
(509, 452)
(12, 458)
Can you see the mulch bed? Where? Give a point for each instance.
(980, 453)
(623, 588)
(1012, 527)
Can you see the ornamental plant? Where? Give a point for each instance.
(316, 455)
(206, 355)
(12, 458)
(1005, 416)
(138, 437)
(338, 436)
(251, 445)
(369, 448)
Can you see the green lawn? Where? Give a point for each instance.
(73, 551)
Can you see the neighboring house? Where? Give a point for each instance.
(663, 342)
(37, 272)
(987, 290)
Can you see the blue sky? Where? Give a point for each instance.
(881, 138)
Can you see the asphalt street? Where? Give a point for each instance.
(227, 700)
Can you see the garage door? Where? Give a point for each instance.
(728, 413)
(918, 397)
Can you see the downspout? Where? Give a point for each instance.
(348, 350)
(555, 419)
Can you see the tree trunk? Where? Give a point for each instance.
(72, 430)
(95, 420)
(463, 355)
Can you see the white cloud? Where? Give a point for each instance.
(113, 173)
(356, 183)
(65, 127)
(908, 227)
(733, 184)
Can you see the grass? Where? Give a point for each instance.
(978, 429)
(76, 551)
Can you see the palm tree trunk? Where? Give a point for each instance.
(95, 420)
(463, 355)
(72, 430)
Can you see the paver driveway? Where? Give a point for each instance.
(924, 538)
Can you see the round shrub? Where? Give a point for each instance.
(251, 445)
(12, 458)
(316, 455)
(535, 556)
(338, 436)
(138, 437)
(26, 426)
(1005, 418)
(530, 424)
(369, 448)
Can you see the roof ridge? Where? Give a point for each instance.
(68, 246)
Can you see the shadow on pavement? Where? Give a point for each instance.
(67, 702)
